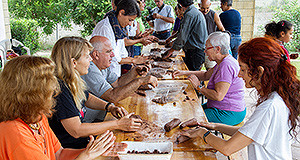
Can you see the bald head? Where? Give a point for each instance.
(205, 2)
(204, 6)
(99, 42)
(102, 53)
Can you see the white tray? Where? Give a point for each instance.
(147, 146)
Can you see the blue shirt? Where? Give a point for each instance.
(231, 21)
(177, 24)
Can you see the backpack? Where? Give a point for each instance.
(17, 49)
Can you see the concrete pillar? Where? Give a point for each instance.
(4, 21)
(247, 10)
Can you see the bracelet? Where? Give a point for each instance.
(106, 107)
(205, 134)
(199, 87)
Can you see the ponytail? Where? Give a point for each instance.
(274, 29)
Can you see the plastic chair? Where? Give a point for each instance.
(2, 57)
(5, 45)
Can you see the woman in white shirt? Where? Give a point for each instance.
(112, 27)
(268, 132)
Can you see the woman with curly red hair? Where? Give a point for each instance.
(270, 128)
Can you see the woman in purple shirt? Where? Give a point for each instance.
(225, 90)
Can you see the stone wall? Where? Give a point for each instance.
(4, 16)
(247, 10)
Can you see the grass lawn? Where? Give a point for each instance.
(297, 65)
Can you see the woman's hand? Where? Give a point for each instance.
(113, 151)
(177, 73)
(97, 147)
(129, 124)
(194, 80)
(117, 112)
(208, 125)
(194, 133)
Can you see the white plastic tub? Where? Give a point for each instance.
(147, 146)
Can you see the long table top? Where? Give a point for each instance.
(161, 114)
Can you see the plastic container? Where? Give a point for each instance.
(165, 65)
(181, 86)
(147, 146)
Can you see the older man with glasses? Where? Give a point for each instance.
(105, 84)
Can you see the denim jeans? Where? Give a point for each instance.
(162, 36)
(235, 42)
(136, 50)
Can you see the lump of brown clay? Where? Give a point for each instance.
(141, 92)
(144, 87)
(135, 116)
(190, 123)
(172, 124)
(181, 139)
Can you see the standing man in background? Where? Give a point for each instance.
(212, 23)
(191, 36)
(163, 16)
(231, 20)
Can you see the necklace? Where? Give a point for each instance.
(35, 126)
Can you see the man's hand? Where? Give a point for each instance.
(147, 32)
(150, 80)
(162, 42)
(194, 80)
(145, 41)
(167, 54)
(129, 124)
(157, 16)
(169, 44)
(117, 112)
(140, 60)
(141, 70)
(153, 38)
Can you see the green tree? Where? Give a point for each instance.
(290, 11)
(49, 13)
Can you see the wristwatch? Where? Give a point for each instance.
(106, 106)
(205, 134)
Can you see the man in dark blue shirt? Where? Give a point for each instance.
(231, 20)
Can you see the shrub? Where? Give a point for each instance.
(25, 31)
(290, 11)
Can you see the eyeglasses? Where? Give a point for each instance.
(208, 48)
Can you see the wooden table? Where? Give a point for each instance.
(161, 114)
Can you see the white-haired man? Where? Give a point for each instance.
(105, 84)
